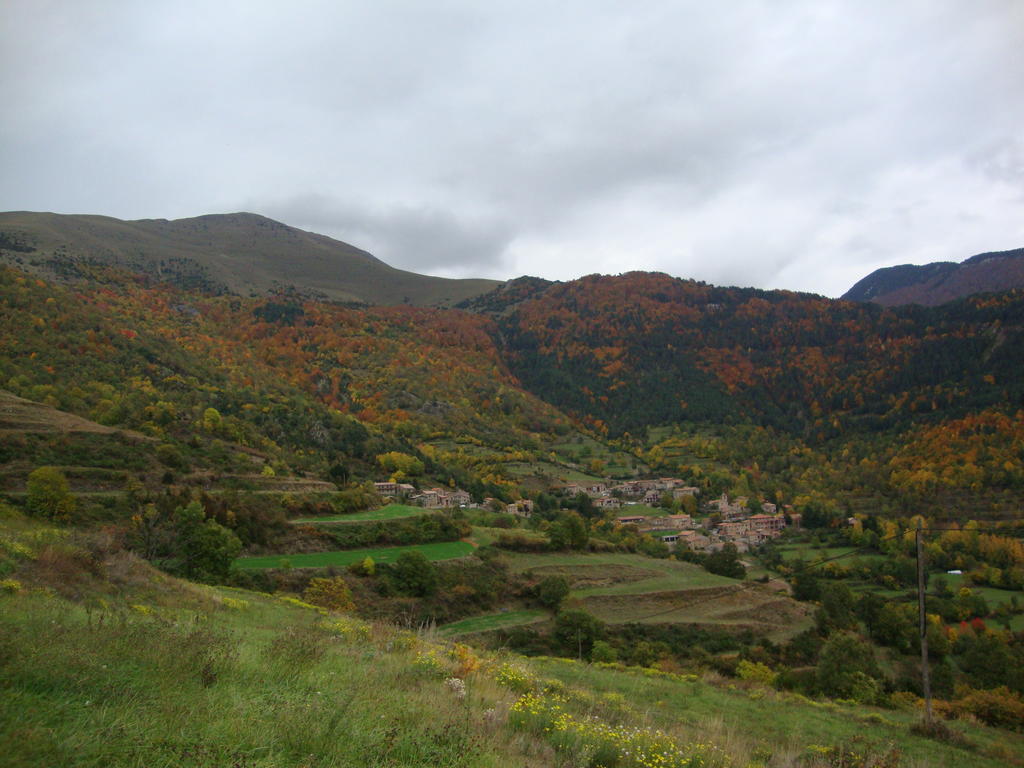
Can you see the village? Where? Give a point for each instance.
(740, 522)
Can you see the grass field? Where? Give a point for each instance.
(992, 595)
(809, 552)
(491, 621)
(445, 550)
(390, 512)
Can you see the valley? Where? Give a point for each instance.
(655, 502)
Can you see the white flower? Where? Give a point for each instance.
(457, 686)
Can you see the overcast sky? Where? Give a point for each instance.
(772, 143)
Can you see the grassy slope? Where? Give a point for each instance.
(143, 670)
(492, 621)
(779, 724)
(390, 512)
(263, 684)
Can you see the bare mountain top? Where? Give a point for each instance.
(240, 253)
(941, 281)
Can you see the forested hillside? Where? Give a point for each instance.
(226, 384)
(833, 384)
(787, 395)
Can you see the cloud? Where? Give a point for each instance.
(419, 239)
(797, 144)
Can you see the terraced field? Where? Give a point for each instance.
(618, 574)
(447, 550)
(623, 588)
(484, 535)
(492, 621)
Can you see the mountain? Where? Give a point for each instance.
(772, 392)
(780, 390)
(238, 253)
(941, 281)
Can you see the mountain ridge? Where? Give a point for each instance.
(240, 253)
(941, 281)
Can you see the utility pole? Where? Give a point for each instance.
(923, 618)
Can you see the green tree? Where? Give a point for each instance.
(837, 609)
(584, 505)
(896, 626)
(170, 456)
(805, 582)
(577, 631)
(48, 493)
(817, 514)
(569, 531)
(398, 463)
(212, 420)
(847, 669)
(688, 504)
(725, 562)
(205, 548)
(413, 574)
(552, 590)
(987, 660)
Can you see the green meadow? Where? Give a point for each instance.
(446, 550)
(390, 512)
(491, 621)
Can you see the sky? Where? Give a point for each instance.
(770, 143)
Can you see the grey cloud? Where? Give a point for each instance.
(748, 142)
(420, 239)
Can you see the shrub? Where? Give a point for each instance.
(552, 590)
(754, 671)
(350, 630)
(603, 652)
(431, 663)
(332, 594)
(1000, 707)
(590, 741)
(857, 753)
(465, 660)
(905, 700)
(48, 493)
(515, 678)
(520, 542)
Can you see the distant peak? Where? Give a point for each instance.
(941, 281)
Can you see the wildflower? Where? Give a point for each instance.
(457, 686)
